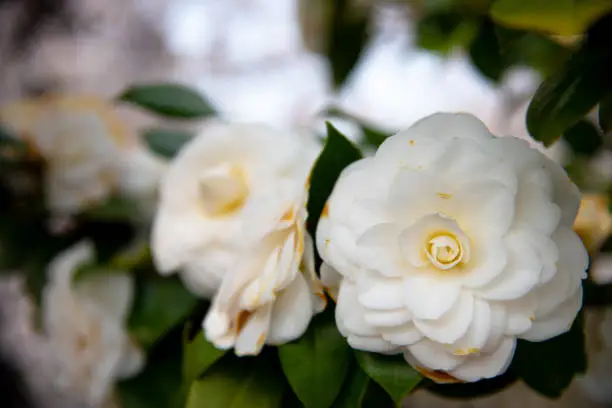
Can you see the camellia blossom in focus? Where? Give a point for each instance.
(449, 245)
(84, 321)
(232, 220)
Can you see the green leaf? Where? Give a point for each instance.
(337, 153)
(236, 383)
(161, 304)
(170, 100)
(485, 52)
(583, 138)
(562, 17)
(116, 208)
(445, 31)
(317, 363)
(392, 373)
(166, 142)
(570, 93)
(548, 367)
(605, 114)
(354, 389)
(347, 38)
(198, 356)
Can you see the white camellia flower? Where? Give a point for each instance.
(232, 220)
(84, 321)
(449, 245)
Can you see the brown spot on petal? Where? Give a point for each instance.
(289, 215)
(467, 351)
(325, 212)
(241, 319)
(440, 377)
(444, 196)
(261, 339)
(412, 143)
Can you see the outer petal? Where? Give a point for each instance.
(487, 366)
(429, 298)
(453, 325)
(113, 293)
(132, 361)
(291, 312)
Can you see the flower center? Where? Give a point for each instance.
(444, 250)
(223, 190)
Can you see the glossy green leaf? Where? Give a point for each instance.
(198, 355)
(160, 304)
(165, 142)
(605, 114)
(238, 383)
(317, 363)
(337, 153)
(347, 38)
(583, 138)
(392, 373)
(562, 17)
(485, 52)
(571, 92)
(354, 389)
(170, 100)
(548, 367)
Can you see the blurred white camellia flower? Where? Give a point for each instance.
(231, 219)
(88, 150)
(448, 245)
(84, 321)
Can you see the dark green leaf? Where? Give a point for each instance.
(596, 295)
(354, 389)
(159, 385)
(166, 142)
(562, 17)
(605, 114)
(338, 153)
(485, 52)
(570, 93)
(392, 373)
(198, 356)
(170, 100)
(161, 304)
(376, 396)
(583, 138)
(548, 367)
(442, 32)
(116, 208)
(317, 363)
(236, 383)
(348, 35)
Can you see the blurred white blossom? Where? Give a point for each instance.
(85, 323)
(449, 245)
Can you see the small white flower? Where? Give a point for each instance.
(448, 245)
(232, 220)
(84, 321)
(80, 140)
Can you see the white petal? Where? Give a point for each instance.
(452, 125)
(113, 293)
(381, 294)
(535, 209)
(251, 339)
(428, 298)
(453, 325)
(404, 335)
(373, 344)
(498, 327)
(434, 356)
(291, 312)
(557, 322)
(487, 366)
(331, 279)
(479, 330)
(350, 313)
(62, 268)
(522, 272)
(488, 260)
(132, 360)
(388, 318)
(379, 249)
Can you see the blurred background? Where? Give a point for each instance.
(382, 64)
